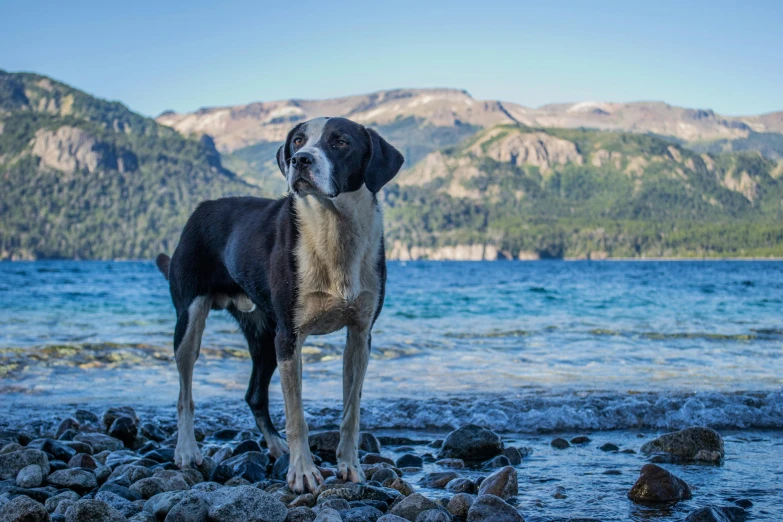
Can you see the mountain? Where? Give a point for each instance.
(420, 121)
(87, 178)
(515, 191)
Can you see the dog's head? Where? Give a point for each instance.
(329, 156)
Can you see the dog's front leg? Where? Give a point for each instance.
(302, 473)
(355, 360)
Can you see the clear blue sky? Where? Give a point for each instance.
(157, 55)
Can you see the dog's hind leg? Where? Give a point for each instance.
(187, 343)
(355, 360)
(261, 344)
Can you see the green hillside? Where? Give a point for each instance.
(86, 178)
(580, 193)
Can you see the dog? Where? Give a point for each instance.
(310, 263)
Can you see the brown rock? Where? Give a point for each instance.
(656, 485)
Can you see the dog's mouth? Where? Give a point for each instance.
(305, 187)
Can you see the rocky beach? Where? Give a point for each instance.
(116, 465)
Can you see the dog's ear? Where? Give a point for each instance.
(284, 152)
(383, 164)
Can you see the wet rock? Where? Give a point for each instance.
(459, 504)
(124, 429)
(403, 487)
(489, 508)
(100, 442)
(656, 485)
(162, 455)
(52, 502)
(608, 447)
(438, 480)
(325, 443)
(307, 500)
(580, 439)
(384, 474)
(29, 476)
(560, 443)
(86, 416)
(148, 487)
(79, 447)
(225, 453)
(10, 447)
(225, 434)
(23, 509)
(686, 444)
(245, 502)
(471, 442)
(159, 505)
(57, 465)
(63, 507)
(559, 492)
(300, 514)
(250, 465)
(245, 446)
(328, 515)
(94, 511)
(502, 483)
(123, 505)
(713, 457)
(361, 514)
(411, 506)
(433, 515)
(68, 423)
(112, 414)
(120, 490)
(191, 509)
(374, 458)
(82, 460)
(338, 504)
(513, 455)
(67, 435)
(221, 474)
(717, 514)
(744, 503)
(54, 448)
(350, 492)
(391, 518)
(451, 463)
(409, 460)
(75, 479)
(497, 462)
(461, 485)
(152, 432)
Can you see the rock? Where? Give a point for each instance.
(459, 504)
(63, 507)
(29, 476)
(686, 444)
(361, 514)
(559, 492)
(57, 465)
(451, 463)
(410, 507)
(112, 414)
(94, 511)
(225, 434)
(581, 439)
(86, 416)
(149, 487)
(374, 458)
(124, 429)
(438, 480)
(513, 455)
(497, 462)
(52, 502)
(100, 442)
(68, 423)
(325, 443)
(337, 504)
(461, 485)
(23, 509)
(300, 514)
(609, 447)
(123, 505)
(489, 508)
(159, 505)
(250, 465)
(67, 435)
(221, 474)
(433, 515)
(350, 492)
(307, 500)
(245, 502)
(717, 514)
(120, 490)
(82, 460)
(191, 509)
(78, 480)
(55, 448)
(328, 515)
(384, 474)
(409, 460)
(560, 443)
(226, 453)
(403, 487)
(245, 446)
(471, 442)
(656, 485)
(390, 518)
(10, 447)
(502, 483)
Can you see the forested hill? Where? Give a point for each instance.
(86, 178)
(521, 192)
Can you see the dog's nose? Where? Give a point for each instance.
(302, 160)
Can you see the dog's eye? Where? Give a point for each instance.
(342, 143)
(298, 142)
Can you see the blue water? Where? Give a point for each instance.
(618, 350)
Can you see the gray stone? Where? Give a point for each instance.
(300, 514)
(362, 514)
(438, 480)
(384, 474)
(560, 443)
(190, 509)
(52, 502)
(489, 508)
(433, 515)
(29, 476)
(502, 483)
(78, 480)
(497, 462)
(717, 514)
(686, 443)
(160, 504)
(112, 414)
(307, 500)
(336, 503)
(23, 509)
(123, 505)
(451, 463)
(391, 518)
(459, 504)
(12, 463)
(100, 442)
(461, 485)
(82, 460)
(329, 515)
(403, 487)
(513, 455)
(230, 504)
(325, 443)
(410, 507)
(94, 511)
(656, 485)
(409, 460)
(471, 442)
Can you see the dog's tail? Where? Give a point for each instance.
(163, 262)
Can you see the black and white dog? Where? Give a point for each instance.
(309, 263)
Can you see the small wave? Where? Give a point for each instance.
(755, 335)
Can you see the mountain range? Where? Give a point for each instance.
(88, 178)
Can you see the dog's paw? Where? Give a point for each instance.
(303, 475)
(187, 454)
(350, 472)
(277, 447)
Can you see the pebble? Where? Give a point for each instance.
(300, 514)
(471, 442)
(329, 515)
(656, 485)
(559, 492)
(82, 460)
(67, 424)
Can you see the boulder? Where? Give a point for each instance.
(433, 515)
(687, 444)
(459, 504)
(245, 503)
(12, 463)
(489, 508)
(409, 460)
(94, 511)
(75, 479)
(190, 509)
(471, 442)
(502, 483)
(411, 506)
(23, 509)
(656, 485)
